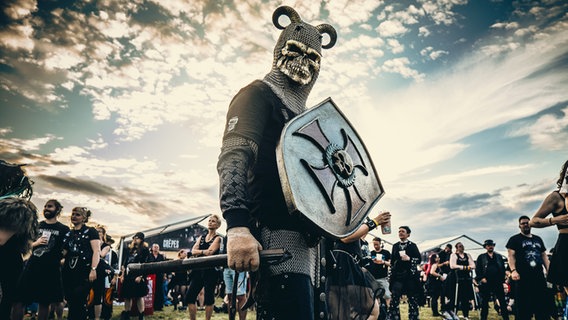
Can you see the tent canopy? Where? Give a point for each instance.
(471, 246)
(170, 237)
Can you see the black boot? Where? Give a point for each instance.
(141, 316)
(125, 315)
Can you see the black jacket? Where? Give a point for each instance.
(481, 266)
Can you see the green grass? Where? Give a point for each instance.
(170, 314)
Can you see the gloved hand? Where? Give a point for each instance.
(242, 250)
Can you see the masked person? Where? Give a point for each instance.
(251, 196)
(41, 280)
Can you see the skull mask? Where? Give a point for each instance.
(299, 62)
(297, 58)
(298, 50)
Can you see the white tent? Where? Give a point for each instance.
(471, 246)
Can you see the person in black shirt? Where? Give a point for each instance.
(135, 287)
(18, 226)
(490, 276)
(555, 205)
(41, 280)
(461, 279)
(156, 256)
(251, 195)
(527, 258)
(81, 250)
(206, 245)
(379, 267)
(444, 269)
(405, 275)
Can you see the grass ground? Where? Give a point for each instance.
(170, 314)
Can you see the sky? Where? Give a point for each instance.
(119, 105)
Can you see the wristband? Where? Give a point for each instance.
(371, 224)
(513, 270)
(550, 220)
(93, 269)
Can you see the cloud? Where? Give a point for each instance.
(549, 132)
(401, 66)
(77, 185)
(391, 28)
(441, 11)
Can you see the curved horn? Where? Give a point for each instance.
(287, 11)
(326, 28)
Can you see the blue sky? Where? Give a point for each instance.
(120, 105)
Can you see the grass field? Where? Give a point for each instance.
(170, 314)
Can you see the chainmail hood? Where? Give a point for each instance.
(292, 93)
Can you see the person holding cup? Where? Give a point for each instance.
(41, 279)
(405, 276)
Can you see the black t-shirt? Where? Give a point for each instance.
(528, 253)
(49, 254)
(444, 256)
(379, 270)
(77, 243)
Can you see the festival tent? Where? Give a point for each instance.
(472, 246)
(170, 237)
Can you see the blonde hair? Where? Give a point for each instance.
(219, 221)
(84, 211)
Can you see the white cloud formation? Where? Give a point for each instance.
(391, 28)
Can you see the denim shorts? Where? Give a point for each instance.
(229, 277)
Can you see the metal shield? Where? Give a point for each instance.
(326, 172)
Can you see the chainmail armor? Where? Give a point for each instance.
(304, 258)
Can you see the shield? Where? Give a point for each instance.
(326, 172)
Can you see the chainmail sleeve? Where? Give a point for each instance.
(237, 157)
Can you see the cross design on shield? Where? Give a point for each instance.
(326, 173)
(341, 165)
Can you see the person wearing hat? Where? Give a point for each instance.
(490, 270)
(134, 287)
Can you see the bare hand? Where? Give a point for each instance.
(382, 218)
(242, 250)
(561, 219)
(92, 276)
(41, 241)
(515, 276)
(405, 257)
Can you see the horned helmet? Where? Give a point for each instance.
(297, 53)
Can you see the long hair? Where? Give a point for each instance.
(101, 227)
(562, 175)
(19, 215)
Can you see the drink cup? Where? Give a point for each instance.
(386, 228)
(46, 234)
(402, 252)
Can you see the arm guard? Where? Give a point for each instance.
(237, 157)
